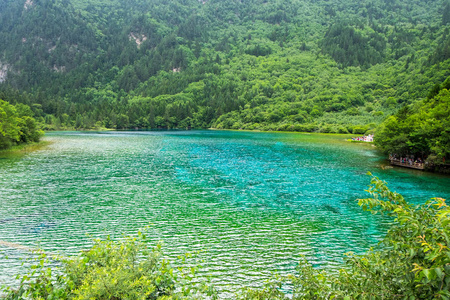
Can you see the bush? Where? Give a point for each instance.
(412, 262)
(125, 269)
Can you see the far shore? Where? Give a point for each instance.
(344, 135)
(211, 128)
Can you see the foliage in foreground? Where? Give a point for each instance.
(125, 269)
(413, 263)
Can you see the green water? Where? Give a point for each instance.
(254, 201)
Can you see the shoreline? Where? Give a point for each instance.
(25, 148)
(192, 129)
(343, 137)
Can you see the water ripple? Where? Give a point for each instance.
(254, 202)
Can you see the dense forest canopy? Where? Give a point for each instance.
(295, 65)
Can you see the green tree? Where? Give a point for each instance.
(9, 125)
(17, 125)
(412, 261)
(122, 121)
(421, 130)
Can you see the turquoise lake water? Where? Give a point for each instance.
(253, 201)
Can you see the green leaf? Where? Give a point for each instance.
(439, 273)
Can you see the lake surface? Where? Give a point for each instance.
(254, 201)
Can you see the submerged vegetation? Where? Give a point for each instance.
(378, 66)
(411, 262)
(309, 66)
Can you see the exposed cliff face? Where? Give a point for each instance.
(4, 68)
(138, 38)
(28, 4)
(42, 38)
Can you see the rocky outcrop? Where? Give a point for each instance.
(4, 68)
(138, 38)
(28, 4)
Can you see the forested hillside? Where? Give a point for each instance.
(296, 65)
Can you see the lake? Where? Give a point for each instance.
(253, 201)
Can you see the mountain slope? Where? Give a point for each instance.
(279, 65)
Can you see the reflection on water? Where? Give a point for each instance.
(254, 201)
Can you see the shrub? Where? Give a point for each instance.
(411, 262)
(125, 269)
